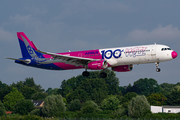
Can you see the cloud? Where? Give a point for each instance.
(158, 34)
(86, 8)
(6, 35)
(25, 20)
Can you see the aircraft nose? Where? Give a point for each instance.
(174, 54)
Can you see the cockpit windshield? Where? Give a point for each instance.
(163, 49)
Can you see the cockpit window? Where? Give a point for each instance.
(163, 49)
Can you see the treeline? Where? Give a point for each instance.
(89, 97)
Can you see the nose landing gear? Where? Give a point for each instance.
(157, 67)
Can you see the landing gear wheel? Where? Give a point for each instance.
(85, 73)
(158, 69)
(103, 75)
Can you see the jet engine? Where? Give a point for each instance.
(98, 65)
(122, 68)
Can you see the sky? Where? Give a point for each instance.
(63, 25)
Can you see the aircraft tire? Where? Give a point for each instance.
(158, 69)
(85, 73)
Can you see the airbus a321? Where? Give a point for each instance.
(120, 59)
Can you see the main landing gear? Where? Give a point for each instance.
(102, 74)
(86, 73)
(157, 67)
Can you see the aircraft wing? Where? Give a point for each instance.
(70, 59)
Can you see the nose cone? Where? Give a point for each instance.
(174, 54)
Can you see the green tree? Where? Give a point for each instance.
(53, 105)
(91, 105)
(88, 109)
(4, 90)
(37, 112)
(74, 105)
(95, 88)
(68, 86)
(112, 83)
(19, 85)
(23, 107)
(51, 91)
(138, 107)
(2, 109)
(77, 94)
(30, 83)
(27, 92)
(177, 87)
(111, 103)
(145, 86)
(119, 112)
(39, 96)
(12, 98)
(174, 97)
(125, 89)
(124, 101)
(166, 88)
(156, 99)
(130, 95)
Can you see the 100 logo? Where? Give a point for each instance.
(108, 54)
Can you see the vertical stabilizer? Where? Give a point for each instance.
(28, 49)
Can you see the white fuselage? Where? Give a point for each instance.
(137, 54)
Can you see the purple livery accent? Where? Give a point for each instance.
(174, 54)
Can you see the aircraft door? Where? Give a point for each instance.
(153, 53)
(153, 50)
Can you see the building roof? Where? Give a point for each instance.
(171, 106)
(37, 102)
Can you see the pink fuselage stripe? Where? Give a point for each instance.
(94, 54)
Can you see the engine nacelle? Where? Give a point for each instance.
(98, 65)
(123, 68)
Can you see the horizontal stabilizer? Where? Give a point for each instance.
(25, 61)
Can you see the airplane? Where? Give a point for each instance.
(119, 59)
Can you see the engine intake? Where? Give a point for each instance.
(122, 68)
(98, 65)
